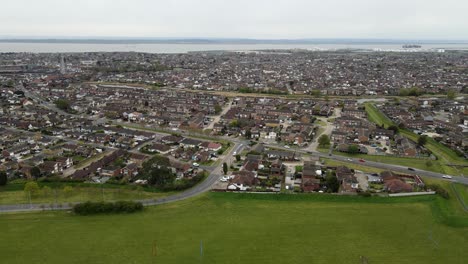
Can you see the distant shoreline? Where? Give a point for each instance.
(226, 41)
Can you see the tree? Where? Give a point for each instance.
(451, 94)
(62, 104)
(422, 140)
(218, 109)
(35, 172)
(353, 149)
(10, 83)
(394, 128)
(225, 168)
(234, 123)
(31, 188)
(324, 140)
(67, 191)
(332, 183)
(46, 191)
(248, 134)
(238, 157)
(3, 178)
(157, 171)
(429, 163)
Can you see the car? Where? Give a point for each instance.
(234, 153)
(286, 146)
(349, 159)
(362, 160)
(446, 176)
(310, 152)
(411, 169)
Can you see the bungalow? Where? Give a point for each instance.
(347, 179)
(131, 170)
(137, 158)
(277, 168)
(282, 155)
(172, 139)
(190, 143)
(310, 184)
(160, 148)
(211, 146)
(242, 181)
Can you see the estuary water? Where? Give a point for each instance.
(184, 48)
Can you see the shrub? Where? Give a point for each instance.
(32, 188)
(365, 194)
(90, 208)
(3, 178)
(439, 190)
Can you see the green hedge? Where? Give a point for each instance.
(439, 190)
(89, 208)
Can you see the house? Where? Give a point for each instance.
(397, 186)
(242, 181)
(170, 140)
(181, 169)
(66, 162)
(211, 146)
(159, 148)
(311, 177)
(190, 143)
(310, 184)
(131, 170)
(310, 170)
(51, 167)
(277, 168)
(137, 158)
(395, 183)
(347, 179)
(283, 155)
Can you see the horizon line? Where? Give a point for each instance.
(224, 40)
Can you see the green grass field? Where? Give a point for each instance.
(374, 115)
(245, 228)
(77, 195)
(462, 190)
(407, 162)
(13, 193)
(330, 162)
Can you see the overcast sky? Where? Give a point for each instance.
(263, 19)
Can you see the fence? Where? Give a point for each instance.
(410, 194)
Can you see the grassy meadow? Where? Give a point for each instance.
(247, 228)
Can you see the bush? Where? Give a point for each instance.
(31, 188)
(439, 190)
(3, 178)
(90, 208)
(365, 194)
(185, 183)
